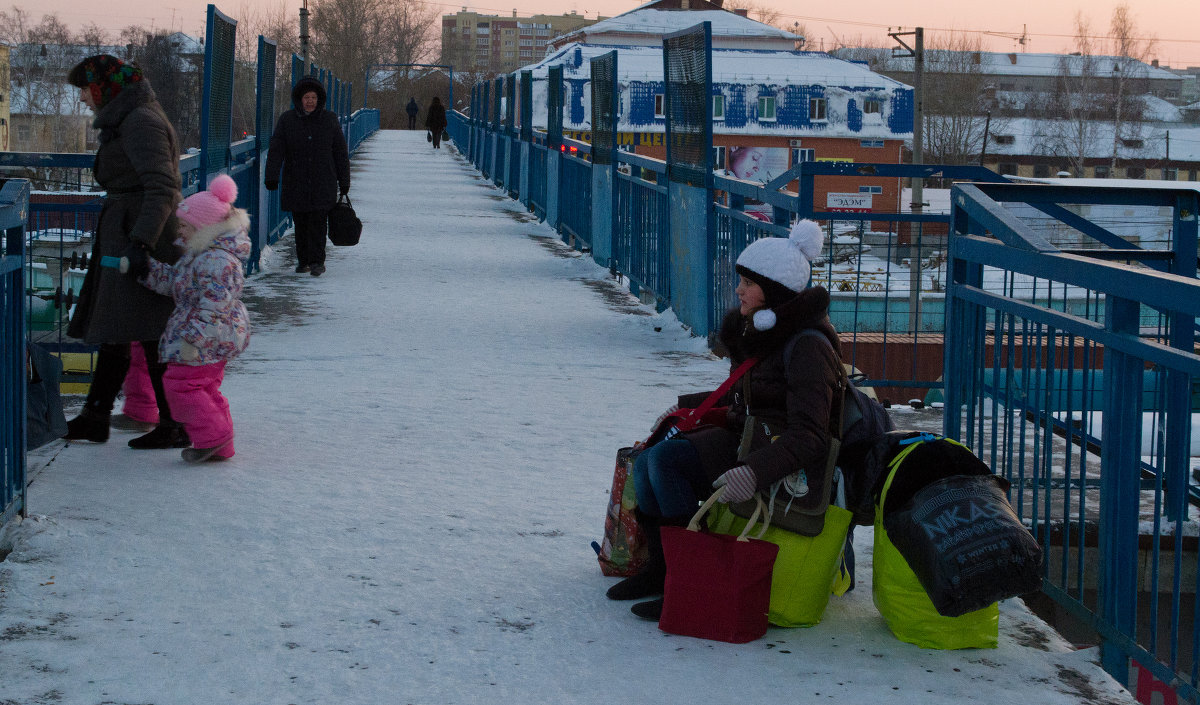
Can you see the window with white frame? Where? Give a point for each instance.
(872, 105)
(871, 144)
(659, 105)
(766, 107)
(870, 189)
(718, 110)
(803, 155)
(719, 157)
(816, 109)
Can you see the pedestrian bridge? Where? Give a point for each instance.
(425, 440)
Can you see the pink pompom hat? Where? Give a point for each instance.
(209, 207)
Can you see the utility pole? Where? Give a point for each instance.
(304, 35)
(917, 52)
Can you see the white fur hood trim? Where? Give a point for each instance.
(238, 221)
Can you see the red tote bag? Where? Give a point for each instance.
(718, 587)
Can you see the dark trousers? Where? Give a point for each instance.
(310, 236)
(437, 139)
(412, 122)
(112, 364)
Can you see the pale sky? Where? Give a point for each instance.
(1048, 24)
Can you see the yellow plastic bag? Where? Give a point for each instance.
(806, 569)
(906, 607)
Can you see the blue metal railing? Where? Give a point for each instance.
(14, 203)
(1088, 410)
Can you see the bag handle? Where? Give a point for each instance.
(759, 510)
(344, 198)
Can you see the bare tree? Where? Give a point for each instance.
(1129, 75)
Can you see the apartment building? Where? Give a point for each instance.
(495, 44)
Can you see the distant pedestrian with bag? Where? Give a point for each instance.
(210, 325)
(309, 148)
(137, 164)
(412, 109)
(788, 404)
(435, 121)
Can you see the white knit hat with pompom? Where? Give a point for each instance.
(209, 207)
(786, 262)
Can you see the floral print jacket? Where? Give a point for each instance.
(206, 284)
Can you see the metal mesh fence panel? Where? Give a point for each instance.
(604, 108)
(216, 118)
(527, 105)
(510, 104)
(264, 119)
(499, 86)
(687, 66)
(554, 117)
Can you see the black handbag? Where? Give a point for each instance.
(428, 135)
(344, 225)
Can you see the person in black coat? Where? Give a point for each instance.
(309, 147)
(789, 401)
(435, 121)
(412, 109)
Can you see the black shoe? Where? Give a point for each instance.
(122, 422)
(651, 609)
(196, 456)
(301, 268)
(646, 583)
(90, 425)
(317, 270)
(163, 436)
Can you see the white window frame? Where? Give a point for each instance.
(718, 107)
(871, 144)
(803, 154)
(817, 110)
(870, 103)
(660, 105)
(870, 189)
(719, 156)
(766, 108)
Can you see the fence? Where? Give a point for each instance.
(1079, 329)
(1075, 374)
(47, 243)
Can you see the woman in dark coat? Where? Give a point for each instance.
(310, 149)
(137, 164)
(435, 121)
(789, 400)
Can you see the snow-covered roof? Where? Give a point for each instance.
(46, 98)
(1031, 136)
(651, 24)
(784, 68)
(1159, 110)
(997, 63)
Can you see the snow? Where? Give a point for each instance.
(425, 444)
(653, 24)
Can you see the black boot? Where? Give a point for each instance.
(650, 609)
(649, 580)
(90, 425)
(165, 435)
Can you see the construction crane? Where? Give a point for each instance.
(1022, 39)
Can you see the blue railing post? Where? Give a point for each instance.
(554, 142)
(526, 135)
(604, 163)
(1119, 486)
(687, 67)
(14, 210)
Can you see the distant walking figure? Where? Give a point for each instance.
(412, 109)
(310, 149)
(435, 121)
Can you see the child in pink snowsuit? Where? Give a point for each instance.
(209, 326)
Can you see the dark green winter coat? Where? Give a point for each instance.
(311, 151)
(137, 165)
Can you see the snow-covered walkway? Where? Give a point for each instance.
(424, 451)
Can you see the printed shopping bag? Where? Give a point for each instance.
(718, 587)
(623, 551)
(904, 604)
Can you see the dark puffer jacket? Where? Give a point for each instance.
(790, 402)
(138, 166)
(311, 151)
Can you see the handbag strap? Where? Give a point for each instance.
(759, 511)
(692, 419)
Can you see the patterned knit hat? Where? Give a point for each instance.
(209, 207)
(105, 76)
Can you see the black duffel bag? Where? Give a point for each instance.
(964, 541)
(344, 225)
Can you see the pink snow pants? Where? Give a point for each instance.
(194, 395)
(140, 404)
